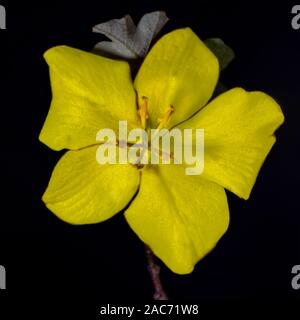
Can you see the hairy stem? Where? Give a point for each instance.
(154, 271)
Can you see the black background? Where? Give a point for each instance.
(106, 262)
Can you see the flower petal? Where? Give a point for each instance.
(89, 93)
(180, 217)
(81, 191)
(179, 71)
(238, 135)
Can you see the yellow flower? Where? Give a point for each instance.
(180, 217)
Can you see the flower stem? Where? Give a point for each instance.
(154, 271)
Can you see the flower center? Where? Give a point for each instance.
(144, 115)
(162, 122)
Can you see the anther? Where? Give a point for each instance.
(163, 121)
(143, 111)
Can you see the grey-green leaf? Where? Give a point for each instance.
(128, 41)
(114, 49)
(221, 50)
(147, 29)
(120, 32)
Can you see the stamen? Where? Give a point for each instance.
(143, 111)
(163, 121)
